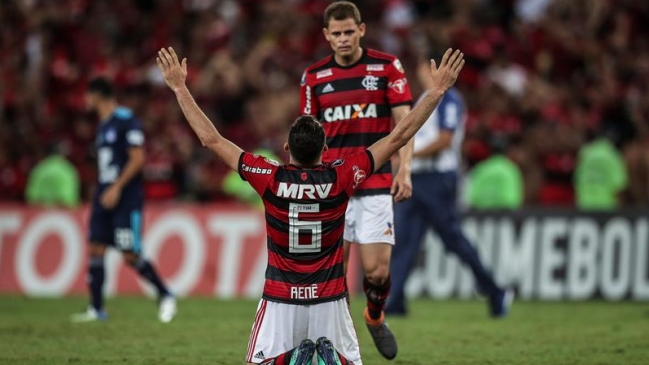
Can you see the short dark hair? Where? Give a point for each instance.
(341, 10)
(306, 139)
(101, 86)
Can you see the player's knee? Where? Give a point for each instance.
(97, 250)
(130, 257)
(378, 274)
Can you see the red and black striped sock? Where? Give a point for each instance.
(343, 361)
(376, 296)
(282, 359)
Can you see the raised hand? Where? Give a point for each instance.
(173, 71)
(444, 76)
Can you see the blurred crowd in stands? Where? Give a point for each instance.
(543, 78)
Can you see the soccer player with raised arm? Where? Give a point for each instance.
(356, 93)
(304, 295)
(116, 217)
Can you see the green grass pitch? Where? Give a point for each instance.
(209, 331)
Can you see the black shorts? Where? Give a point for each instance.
(120, 227)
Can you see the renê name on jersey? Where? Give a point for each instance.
(353, 111)
(305, 292)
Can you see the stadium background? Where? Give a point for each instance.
(544, 75)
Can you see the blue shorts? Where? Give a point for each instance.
(120, 227)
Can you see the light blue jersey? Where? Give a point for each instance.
(449, 115)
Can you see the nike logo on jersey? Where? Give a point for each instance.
(353, 111)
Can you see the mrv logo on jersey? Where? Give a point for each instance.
(353, 111)
(299, 191)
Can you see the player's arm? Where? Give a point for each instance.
(174, 74)
(442, 142)
(402, 184)
(134, 165)
(308, 101)
(445, 136)
(442, 77)
(405, 152)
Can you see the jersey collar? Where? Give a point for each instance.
(352, 65)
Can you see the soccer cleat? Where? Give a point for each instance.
(382, 336)
(327, 354)
(303, 354)
(167, 308)
(90, 315)
(501, 303)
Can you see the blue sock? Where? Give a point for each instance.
(147, 271)
(96, 274)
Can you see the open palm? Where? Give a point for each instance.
(449, 68)
(173, 71)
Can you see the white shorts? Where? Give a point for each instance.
(369, 219)
(280, 327)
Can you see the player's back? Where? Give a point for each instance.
(115, 136)
(305, 215)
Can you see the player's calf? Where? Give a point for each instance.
(147, 271)
(167, 306)
(376, 296)
(374, 314)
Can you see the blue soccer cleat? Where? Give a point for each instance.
(90, 315)
(303, 354)
(327, 354)
(501, 303)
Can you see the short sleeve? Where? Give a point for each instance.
(134, 133)
(308, 101)
(398, 87)
(257, 170)
(353, 170)
(450, 111)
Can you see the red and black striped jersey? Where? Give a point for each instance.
(305, 220)
(354, 103)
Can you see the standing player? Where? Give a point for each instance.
(355, 93)
(434, 203)
(116, 218)
(305, 201)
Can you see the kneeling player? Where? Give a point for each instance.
(305, 201)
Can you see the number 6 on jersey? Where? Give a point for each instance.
(296, 226)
